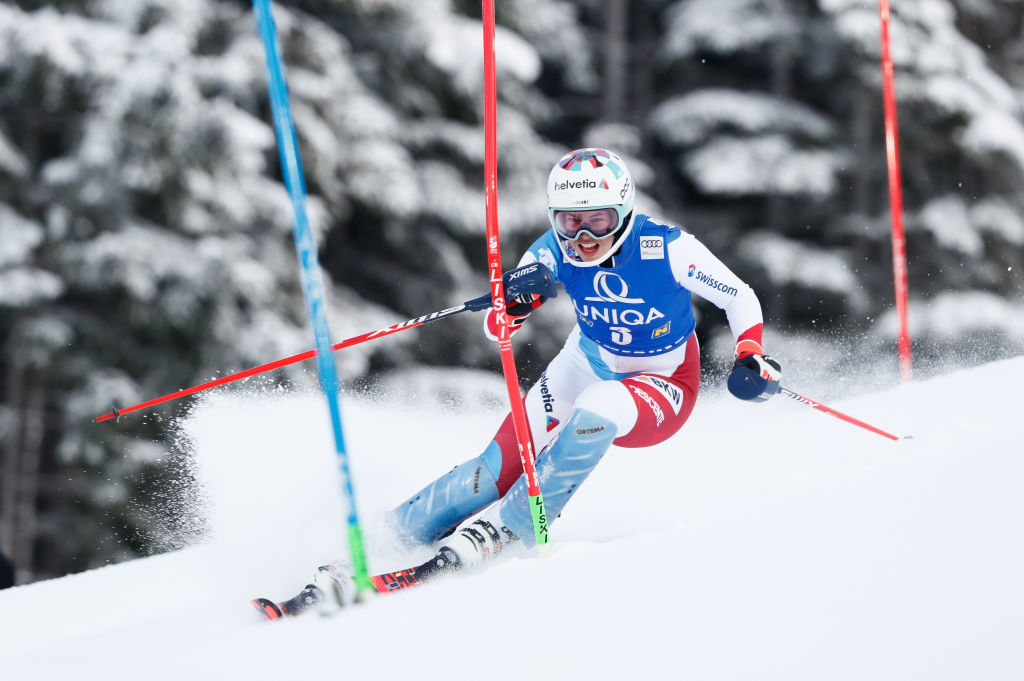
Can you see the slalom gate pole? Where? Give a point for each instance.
(508, 362)
(838, 414)
(892, 157)
(476, 304)
(312, 281)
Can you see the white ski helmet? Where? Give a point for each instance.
(589, 179)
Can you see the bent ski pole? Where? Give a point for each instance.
(529, 279)
(355, 340)
(832, 412)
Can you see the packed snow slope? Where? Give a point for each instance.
(764, 542)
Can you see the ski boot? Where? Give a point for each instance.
(473, 544)
(332, 589)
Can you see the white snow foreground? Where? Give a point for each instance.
(765, 542)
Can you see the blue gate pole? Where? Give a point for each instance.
(312, 280)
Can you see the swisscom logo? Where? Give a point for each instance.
(712, 282)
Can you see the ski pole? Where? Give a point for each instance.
(530, 279)
(832, 412)
(500, 295)
(481, 303)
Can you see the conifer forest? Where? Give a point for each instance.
(146, 233)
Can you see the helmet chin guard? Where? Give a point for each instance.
(587, 179)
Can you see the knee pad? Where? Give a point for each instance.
(610, 400)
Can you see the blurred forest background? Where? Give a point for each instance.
(145, 233)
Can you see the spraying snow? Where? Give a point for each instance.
(764, 542)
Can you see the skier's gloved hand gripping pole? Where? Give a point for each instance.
(755, 377)
(526, 282)
(518, 306)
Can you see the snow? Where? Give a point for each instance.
(21, 236)
(794, 547)
(948, 220)
(453, 45)
(722, 26)
(688, 119)
(787, 261)
(998, 218)
(20, 285)
(995, 131)
(554, 31)
(953, 315)
(938, 67)
(69, 44)
(27, 286)
(762, 164)
(749, 143)
(389, 176)
(11, 160)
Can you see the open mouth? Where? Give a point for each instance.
(587, 249)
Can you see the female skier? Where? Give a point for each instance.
(627, 375)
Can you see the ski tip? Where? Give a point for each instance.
(270, 610)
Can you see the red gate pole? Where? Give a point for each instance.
(508, 361)
(899, 243)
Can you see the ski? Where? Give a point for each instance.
(308, 599)
(312, 597)
(395, 581)
(334, 586)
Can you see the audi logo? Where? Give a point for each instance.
(650, 243)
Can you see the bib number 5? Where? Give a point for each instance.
(621, 335)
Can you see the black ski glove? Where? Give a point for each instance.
(523, 305)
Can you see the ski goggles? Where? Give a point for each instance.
(598, 222)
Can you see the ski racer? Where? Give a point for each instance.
(627, 375)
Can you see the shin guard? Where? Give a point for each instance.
(438, 508)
